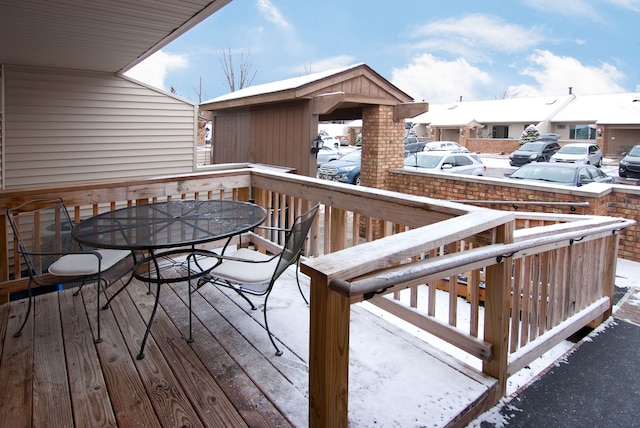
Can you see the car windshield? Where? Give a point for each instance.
(352, 157)
(545, 173)
(532, 147)
(423, 161)
(635, 151)
(573, 150)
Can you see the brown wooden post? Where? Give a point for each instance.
(328, 356)
(609, 274)
(496, 309)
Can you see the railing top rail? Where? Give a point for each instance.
(385, 252)
(417, 210)
(123, 189)
(372, 283)
(581, 224)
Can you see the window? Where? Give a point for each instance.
(582, 132)
(462, 161)
(500, 131)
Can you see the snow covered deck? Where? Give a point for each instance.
(55, 375)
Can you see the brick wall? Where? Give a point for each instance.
(490, 145)
(382, 145)
(616, 201)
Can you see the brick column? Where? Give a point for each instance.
(382, 145)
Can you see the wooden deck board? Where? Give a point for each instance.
(16, 376)
(229, 375)
(252, 404)
(50, 383)
(127, 395)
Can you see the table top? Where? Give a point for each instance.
(169, 224)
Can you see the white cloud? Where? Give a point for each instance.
(473, 35)
(338, 61)
(437, 81)
(573, 8)
(272, 14)
(153, 70)
(633, 5)
(555, 74)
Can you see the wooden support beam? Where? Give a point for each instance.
(405, 110)
(326, 103)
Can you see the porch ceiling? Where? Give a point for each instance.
(97, 35)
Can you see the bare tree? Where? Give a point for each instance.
(199, 91)
(307, 68)
(243, 75)
(508, 92)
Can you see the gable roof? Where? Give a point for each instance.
(510, 110)
(328, 83)
(606, 109)
(96, 35)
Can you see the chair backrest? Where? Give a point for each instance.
(42, 233)
(294, 240)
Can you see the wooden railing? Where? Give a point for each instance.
(555, 273)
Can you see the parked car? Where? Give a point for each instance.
(443, 161)
(568, 174)
(534, 151)
(630, 164)
(450, 146)
(330, 141)
(327, 153)
(586, 153)
(413, 145)
(346, 169)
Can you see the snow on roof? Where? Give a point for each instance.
(614, 109)
(280, 85)
(510, 110)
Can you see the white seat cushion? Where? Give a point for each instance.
(246, 273)
(86, 264)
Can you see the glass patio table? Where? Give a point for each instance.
(166, 229)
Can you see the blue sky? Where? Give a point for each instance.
(434, 51)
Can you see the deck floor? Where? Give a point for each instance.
(55, 375)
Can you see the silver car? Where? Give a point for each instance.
(586, 153)
(328, 153)
(443, 161)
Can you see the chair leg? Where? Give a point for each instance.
(75, 293)
(298, 280)
(244, 296)
(106, 305)
(266, 324)
(98, 337)
(26, 315)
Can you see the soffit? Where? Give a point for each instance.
(96, 35)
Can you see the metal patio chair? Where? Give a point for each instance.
(45, 248)
(250, 272)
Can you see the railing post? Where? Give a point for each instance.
(609, 275)
(328, 356)
(496, 309)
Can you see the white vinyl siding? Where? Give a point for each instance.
(1, 126)
(65, 126)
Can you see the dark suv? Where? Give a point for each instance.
(540, 150)
(413, 145)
